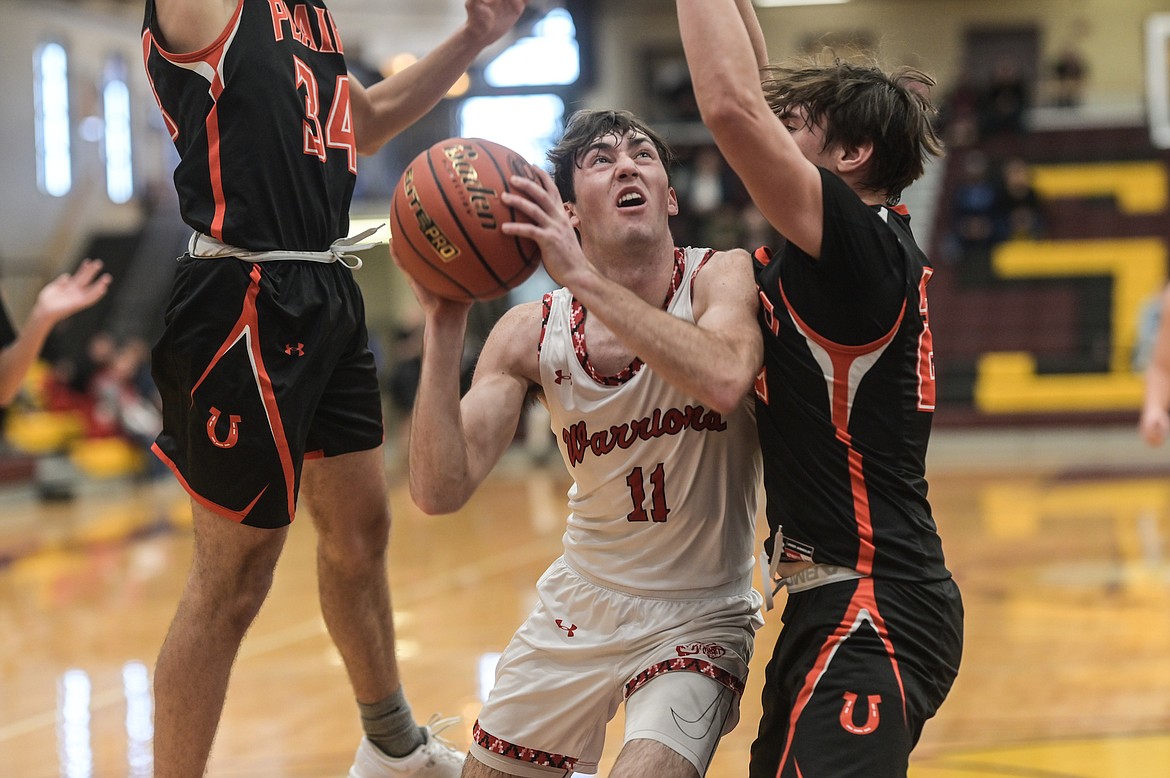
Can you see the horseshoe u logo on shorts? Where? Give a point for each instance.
(871, 721)
(233, 429)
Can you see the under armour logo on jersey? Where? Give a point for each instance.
(563, 377)
(570, 629)
(233, 429)
(298, 349)
(872, 719)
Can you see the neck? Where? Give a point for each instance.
(643, 267)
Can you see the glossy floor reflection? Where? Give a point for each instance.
(1062, 559)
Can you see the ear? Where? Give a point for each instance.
(854, 158)
(671, 202)
(574, 219)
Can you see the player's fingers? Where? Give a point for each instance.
(539, 212)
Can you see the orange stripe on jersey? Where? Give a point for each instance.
(247, 327)
(148, 43)
(862, 607)
(213, 164)
(842, 361)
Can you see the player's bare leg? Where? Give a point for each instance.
(347, 497)
(473, 768)
(230, 576)
(649, 757)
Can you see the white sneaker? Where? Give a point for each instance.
(435, 758)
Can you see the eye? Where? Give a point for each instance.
(599, 159)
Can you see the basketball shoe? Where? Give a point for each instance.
(435, 758)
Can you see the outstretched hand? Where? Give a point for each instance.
(1154, 426)
(490, 19)
(548, 224)
(67, 294)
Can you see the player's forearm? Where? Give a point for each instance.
(751, 23)
(19, 356)
(721, 56)
(717, 368)
(402, 99)
(1157, 386)
(439, 471)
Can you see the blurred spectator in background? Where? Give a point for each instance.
(1018, 209)
(973, 218)
(1068, 72)
(1005, 100)
(126, 403)
(958, 118)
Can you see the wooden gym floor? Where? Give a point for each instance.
(1058, 541)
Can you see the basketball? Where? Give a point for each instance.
(445, 218)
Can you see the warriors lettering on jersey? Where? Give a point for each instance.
(578, 439)
(302, 31)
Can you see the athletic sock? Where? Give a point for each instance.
(390, 725)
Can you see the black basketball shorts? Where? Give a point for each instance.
(857, 670)
(260, 366)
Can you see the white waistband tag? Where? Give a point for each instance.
(206, 247)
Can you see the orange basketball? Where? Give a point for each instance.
(445, 218)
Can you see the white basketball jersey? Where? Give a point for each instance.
(664, 493)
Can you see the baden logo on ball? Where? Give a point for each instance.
(445, 218)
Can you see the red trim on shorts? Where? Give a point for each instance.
(689, 664)
(863, 599)
(236, 516)
(490, 742)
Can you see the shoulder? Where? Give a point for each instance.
(725, 272)
(514, 343)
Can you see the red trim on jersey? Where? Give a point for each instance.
(688, 664)
(248, 325)
(236, 516)
(702, 263)
(863, 599)
(842, 358)
(545, 310)
(577, 313)
(490, 742)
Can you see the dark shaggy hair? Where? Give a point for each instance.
(855, 102)
(586, 126)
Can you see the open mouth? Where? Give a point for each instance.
(630, 199)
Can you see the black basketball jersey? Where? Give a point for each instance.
(261, 120)
(845, 402)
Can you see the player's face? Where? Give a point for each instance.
(620, 186)
(809, 138)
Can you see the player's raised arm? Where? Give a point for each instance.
(390, 106)
(724, 66)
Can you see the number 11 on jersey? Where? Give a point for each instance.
(637, 483)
